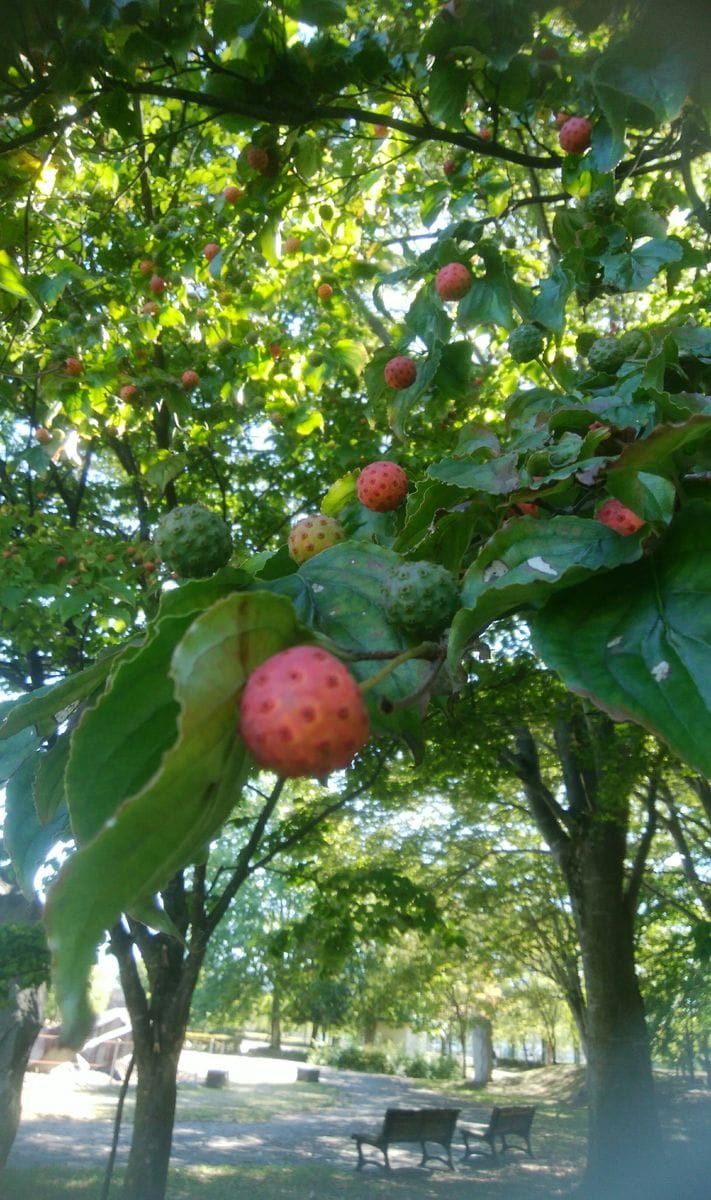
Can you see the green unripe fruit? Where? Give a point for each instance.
(193, 541)
(598, 205)
(160, 231)
(526, 343)
(606, 355)
(172, 223)
(633, 343)
(421, 598)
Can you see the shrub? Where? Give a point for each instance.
(422, 1066)
(356, 1058)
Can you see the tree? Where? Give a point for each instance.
(562, 473)
(25, 971)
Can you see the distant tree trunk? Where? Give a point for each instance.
(20, 1022)
(482, 1051)
(548, 1051)
(275, 1019)
(705, 1055)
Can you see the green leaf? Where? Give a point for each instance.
(41, 708)
(658, 453)
(11, 280)
(308, 156)
(448, 87)
(164, 826)
(119, 742)
(648, 83)
(638, 641)
(27, 841)
(15, 749)
(494, 298)
(631, 271)
(346, 585)
(528, 559)
(49, 789)
(322, 12)
(339, 494)
(497, 476)
(548, 307)
(423, 505)
(427, 318)
(229, 16)
(352, 354)
(608, 141)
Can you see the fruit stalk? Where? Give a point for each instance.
(428, 650)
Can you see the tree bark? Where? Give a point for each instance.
(588, 838)
(624, 1136)
(275, 1018)
(159, 1024)
(482, 1050)
(20, 1022)
(156, 1090)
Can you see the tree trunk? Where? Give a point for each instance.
(147, 1171)
(482, 1051)
(624, 1134)
(600, 764)
(275, 1019)
(20, 1022)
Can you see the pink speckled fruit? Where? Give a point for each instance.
(574, 136)
(311, 535)
(211, 251)
(400, 372)
(619, 518)
(382, 486)
(302, 713)
(453, 281)
(258, 159)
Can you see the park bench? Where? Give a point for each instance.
(419, 1125)
(504, 1122)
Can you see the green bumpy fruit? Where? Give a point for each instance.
(193, 541)
(526, 343)
(634, 342)
(599, 205)
(606, 354)
(421, 598)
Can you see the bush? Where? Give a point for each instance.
(355, 1058)
(421, 1066)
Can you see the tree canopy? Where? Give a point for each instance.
(249, 248)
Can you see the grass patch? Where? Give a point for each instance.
(518, 1180)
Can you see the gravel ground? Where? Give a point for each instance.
(46, 1140)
